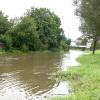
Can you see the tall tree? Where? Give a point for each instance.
(39, 29)
(89, 12)
(24, 34)
(48, 26)
(4, 23)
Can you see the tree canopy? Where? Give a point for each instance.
(38, 29)
(89, 13)
(4, 23)
(48, 26)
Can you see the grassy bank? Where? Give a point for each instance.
(20, 52)
(84, 79)
(12, 52)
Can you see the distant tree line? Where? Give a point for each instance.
(38, 29)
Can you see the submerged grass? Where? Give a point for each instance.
(85, 79)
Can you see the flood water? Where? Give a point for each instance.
(26, 77)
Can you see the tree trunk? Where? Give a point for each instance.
(94, 45)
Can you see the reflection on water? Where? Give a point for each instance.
(69, 59)
(26, 77)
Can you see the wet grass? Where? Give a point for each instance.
(11, 52)
(84, 79)
(15, 52)
(60, 98)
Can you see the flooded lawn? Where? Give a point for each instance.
(27, 77)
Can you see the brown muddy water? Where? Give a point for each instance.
(27, 77)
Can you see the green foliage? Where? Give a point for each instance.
(85, 78)
(24, 33)
(89, 12)
(4, 23)
(48, 27)
(7, 40)
(39, 29)
(25, 48)
(68, 42)
(58, 98)
(64, 45)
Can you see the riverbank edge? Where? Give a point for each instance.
(19, 52)
(84, 79)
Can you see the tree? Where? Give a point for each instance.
(24, 34)
(39, 29)
(7, 40)
(48, 26)
(89, 13)
(5, 25)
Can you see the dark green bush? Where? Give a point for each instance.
(7, 40)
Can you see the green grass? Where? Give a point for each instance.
(13, 52)
(60, 98)
(84, 79)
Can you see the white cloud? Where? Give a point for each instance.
(63, 8)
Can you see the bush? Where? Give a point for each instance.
(25, 48)
(7, 40)
(64, 46)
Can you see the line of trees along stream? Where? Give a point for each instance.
(38, 29)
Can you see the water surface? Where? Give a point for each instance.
(27, 77)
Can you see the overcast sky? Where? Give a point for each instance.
(63, 8)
